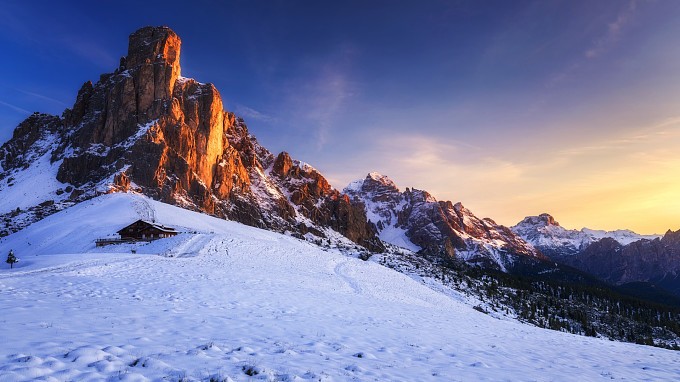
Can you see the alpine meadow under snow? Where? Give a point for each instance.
(223, 301)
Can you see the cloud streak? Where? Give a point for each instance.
(323, 93)
(15, 108)
(250, 113)
(613, 32)
(43, 97)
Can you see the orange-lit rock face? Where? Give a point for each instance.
(170, 137)
(195, 127)
(156, 51)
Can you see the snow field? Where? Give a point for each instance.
(236, 303)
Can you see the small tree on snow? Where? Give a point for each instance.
(11, 259)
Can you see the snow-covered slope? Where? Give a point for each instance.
(231, 302)
(546, 234)
(415, 220)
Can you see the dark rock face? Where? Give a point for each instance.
(315, 199)
(644, 260)
(415, 220)
(618, 257)
(146, 128)
(25, 145)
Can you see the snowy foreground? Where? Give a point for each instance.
(231, 302)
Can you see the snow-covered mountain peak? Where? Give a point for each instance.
(374, 183)
(415, 220)
(382, 179)
(623, 236)
(543, 219)
(545, 233)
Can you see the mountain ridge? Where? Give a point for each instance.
(555, 241)
(415, 220)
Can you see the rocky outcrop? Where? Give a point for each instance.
(145, 128)
(315, 199)
(31, 139)
(415, 220)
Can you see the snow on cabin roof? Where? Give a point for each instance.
(159, 226)
(154, 225)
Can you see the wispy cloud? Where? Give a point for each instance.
(613, 33)
(322, 94)
(88, 49)
(250, 113)
(598, 46)
(15, 108)
(43, 97)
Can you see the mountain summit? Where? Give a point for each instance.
(415, 220)
(145, 128)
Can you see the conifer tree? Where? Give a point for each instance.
(11, 259)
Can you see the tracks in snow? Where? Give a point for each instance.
(341, 271)
(196, 244)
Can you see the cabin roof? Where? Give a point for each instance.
(157, 226)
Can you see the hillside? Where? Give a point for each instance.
(224, 301)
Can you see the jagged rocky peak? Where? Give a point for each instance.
(376, 180)
(283, 164)
(154, 45)
(373, 182)
(146, 128)
(378, 188)
(157, 50)
(671, 238)
(415, 220)
(540, 220)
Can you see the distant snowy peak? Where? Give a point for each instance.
(540, 220)
(546, 234)
(415, 220)
(383, 180)
(623, 236)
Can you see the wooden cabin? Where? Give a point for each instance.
(146, 230)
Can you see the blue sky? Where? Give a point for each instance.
(512, 107)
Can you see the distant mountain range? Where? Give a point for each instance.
(556, 242)
(618, 257)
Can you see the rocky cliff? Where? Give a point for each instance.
(147, 129)
(656, 261)
(415, 220)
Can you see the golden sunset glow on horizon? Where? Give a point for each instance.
(625, 180)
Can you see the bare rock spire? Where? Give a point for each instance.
(153, 53)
